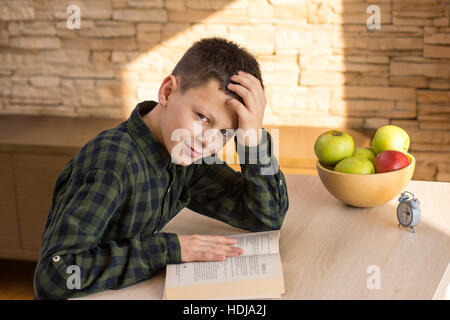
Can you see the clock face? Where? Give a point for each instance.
(404, 214)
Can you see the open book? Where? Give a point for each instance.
(256, 274)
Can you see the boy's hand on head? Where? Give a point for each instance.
(198, 247)
(252, 113)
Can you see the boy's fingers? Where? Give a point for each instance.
(207, 256)
(244, 80)
(247, 79)
(238, 106)
(217, 239)
(244, 93)
(214, 255)
(252, 83)
(222, 249)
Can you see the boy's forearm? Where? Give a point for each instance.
(265, 199)
(110, 265)
(265, 190)
(254, 199)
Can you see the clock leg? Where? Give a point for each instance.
(413, 230)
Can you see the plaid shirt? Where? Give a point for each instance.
(114, 196)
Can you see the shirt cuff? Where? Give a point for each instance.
(173, 247)
(163, 246)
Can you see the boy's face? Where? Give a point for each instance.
(193, 124)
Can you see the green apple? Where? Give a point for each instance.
(355, 165)
(365, 153)
(390, 137)
(333, 146)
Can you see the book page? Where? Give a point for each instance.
(232, 269)
(267, 288)
(257, 243)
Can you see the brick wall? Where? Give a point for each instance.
(321, 65)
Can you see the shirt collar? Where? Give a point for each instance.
(154, 151)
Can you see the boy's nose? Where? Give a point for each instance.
(206, 142)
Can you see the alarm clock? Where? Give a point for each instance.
(408, 211)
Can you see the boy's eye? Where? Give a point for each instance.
(202, 117)
(226, 133)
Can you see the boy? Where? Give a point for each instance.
(116, 194)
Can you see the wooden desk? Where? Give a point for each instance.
(327, 247)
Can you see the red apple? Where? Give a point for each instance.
(390, 160)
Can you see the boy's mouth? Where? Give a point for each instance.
(191, 151)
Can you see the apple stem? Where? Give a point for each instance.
(337, 133)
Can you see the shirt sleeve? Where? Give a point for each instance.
(254, 199)
(75, 260)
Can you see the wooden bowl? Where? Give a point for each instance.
(366, 190)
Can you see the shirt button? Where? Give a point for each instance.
(281, 182)
(56, 258)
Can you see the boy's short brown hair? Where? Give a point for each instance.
(215, 58)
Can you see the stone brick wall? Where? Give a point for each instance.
(321, 65)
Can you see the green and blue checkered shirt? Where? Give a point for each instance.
(114, 196)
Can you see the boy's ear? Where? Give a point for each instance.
(168, 87)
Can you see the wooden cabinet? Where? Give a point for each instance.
(36, 176)
(9, 227)
(33, 151)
